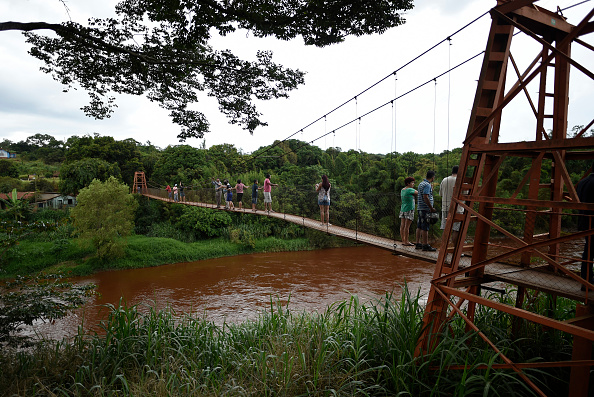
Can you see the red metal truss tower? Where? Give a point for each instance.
(540, 259)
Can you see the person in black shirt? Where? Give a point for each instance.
(585, 192)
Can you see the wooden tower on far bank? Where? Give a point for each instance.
(540, 259)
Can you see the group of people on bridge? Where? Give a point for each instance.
(426, 213)
(177, 191)
(224, 189)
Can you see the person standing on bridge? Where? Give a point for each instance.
(229, 196)
(182, 195)
(425, 208)
(585, 192)
(168, 188)
(446, 190)
(175, 193)
(224, 192)
(407, 209)
(217, 187)
(255, 189)
(268, 193)
(323, 190)
(239, 189)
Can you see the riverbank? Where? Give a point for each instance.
(141, 251)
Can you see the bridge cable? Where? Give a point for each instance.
(356, 132)
(394, 142)
(385, 104)
(372, 86)
(393, 163)
(575, 5)
(434, 118)
(325, 131)
(449, 95)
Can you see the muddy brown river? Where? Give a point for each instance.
(236, 288)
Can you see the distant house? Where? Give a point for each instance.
(5, 154)
(55, 201)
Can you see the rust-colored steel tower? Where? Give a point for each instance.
(139, 185)
(541, 259)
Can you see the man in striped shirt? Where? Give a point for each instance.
(424, 208)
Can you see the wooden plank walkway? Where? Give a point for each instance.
(532, 278)
(381, 242)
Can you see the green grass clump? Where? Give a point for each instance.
(350, 349)
(32, 256)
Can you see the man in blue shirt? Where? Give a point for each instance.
(424, 208)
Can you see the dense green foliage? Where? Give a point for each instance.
(28, 299)
(350, 349)
(7, 168)
(104, 216)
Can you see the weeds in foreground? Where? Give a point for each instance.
(350, 349)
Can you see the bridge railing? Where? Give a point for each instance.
(370, 212)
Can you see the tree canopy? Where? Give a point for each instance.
(161, 49)
(104, 215)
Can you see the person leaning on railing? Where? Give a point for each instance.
(217, 186)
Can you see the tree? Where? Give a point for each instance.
(104, 215)
(175, 159)
(79, 174)
(162, 49)
(7, 168)
(28, 299)
(124, 153)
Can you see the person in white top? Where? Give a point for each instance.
(446, 191)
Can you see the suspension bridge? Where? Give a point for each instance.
(546, 255)
(498, 273)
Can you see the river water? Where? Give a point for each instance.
(236, 288)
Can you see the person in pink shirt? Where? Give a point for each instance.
(239, 189)
(267, 190)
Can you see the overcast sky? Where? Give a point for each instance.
(432, 118)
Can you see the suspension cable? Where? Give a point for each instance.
(385, 104)
(434, 118)
(449, 95)
(373, 85)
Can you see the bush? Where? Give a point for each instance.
(167, 230)
(8, 183)
(202, 222)
(243, 237)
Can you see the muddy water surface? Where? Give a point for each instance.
(235, 288)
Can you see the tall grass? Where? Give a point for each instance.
(353, 348)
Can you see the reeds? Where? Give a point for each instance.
(353, 348)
